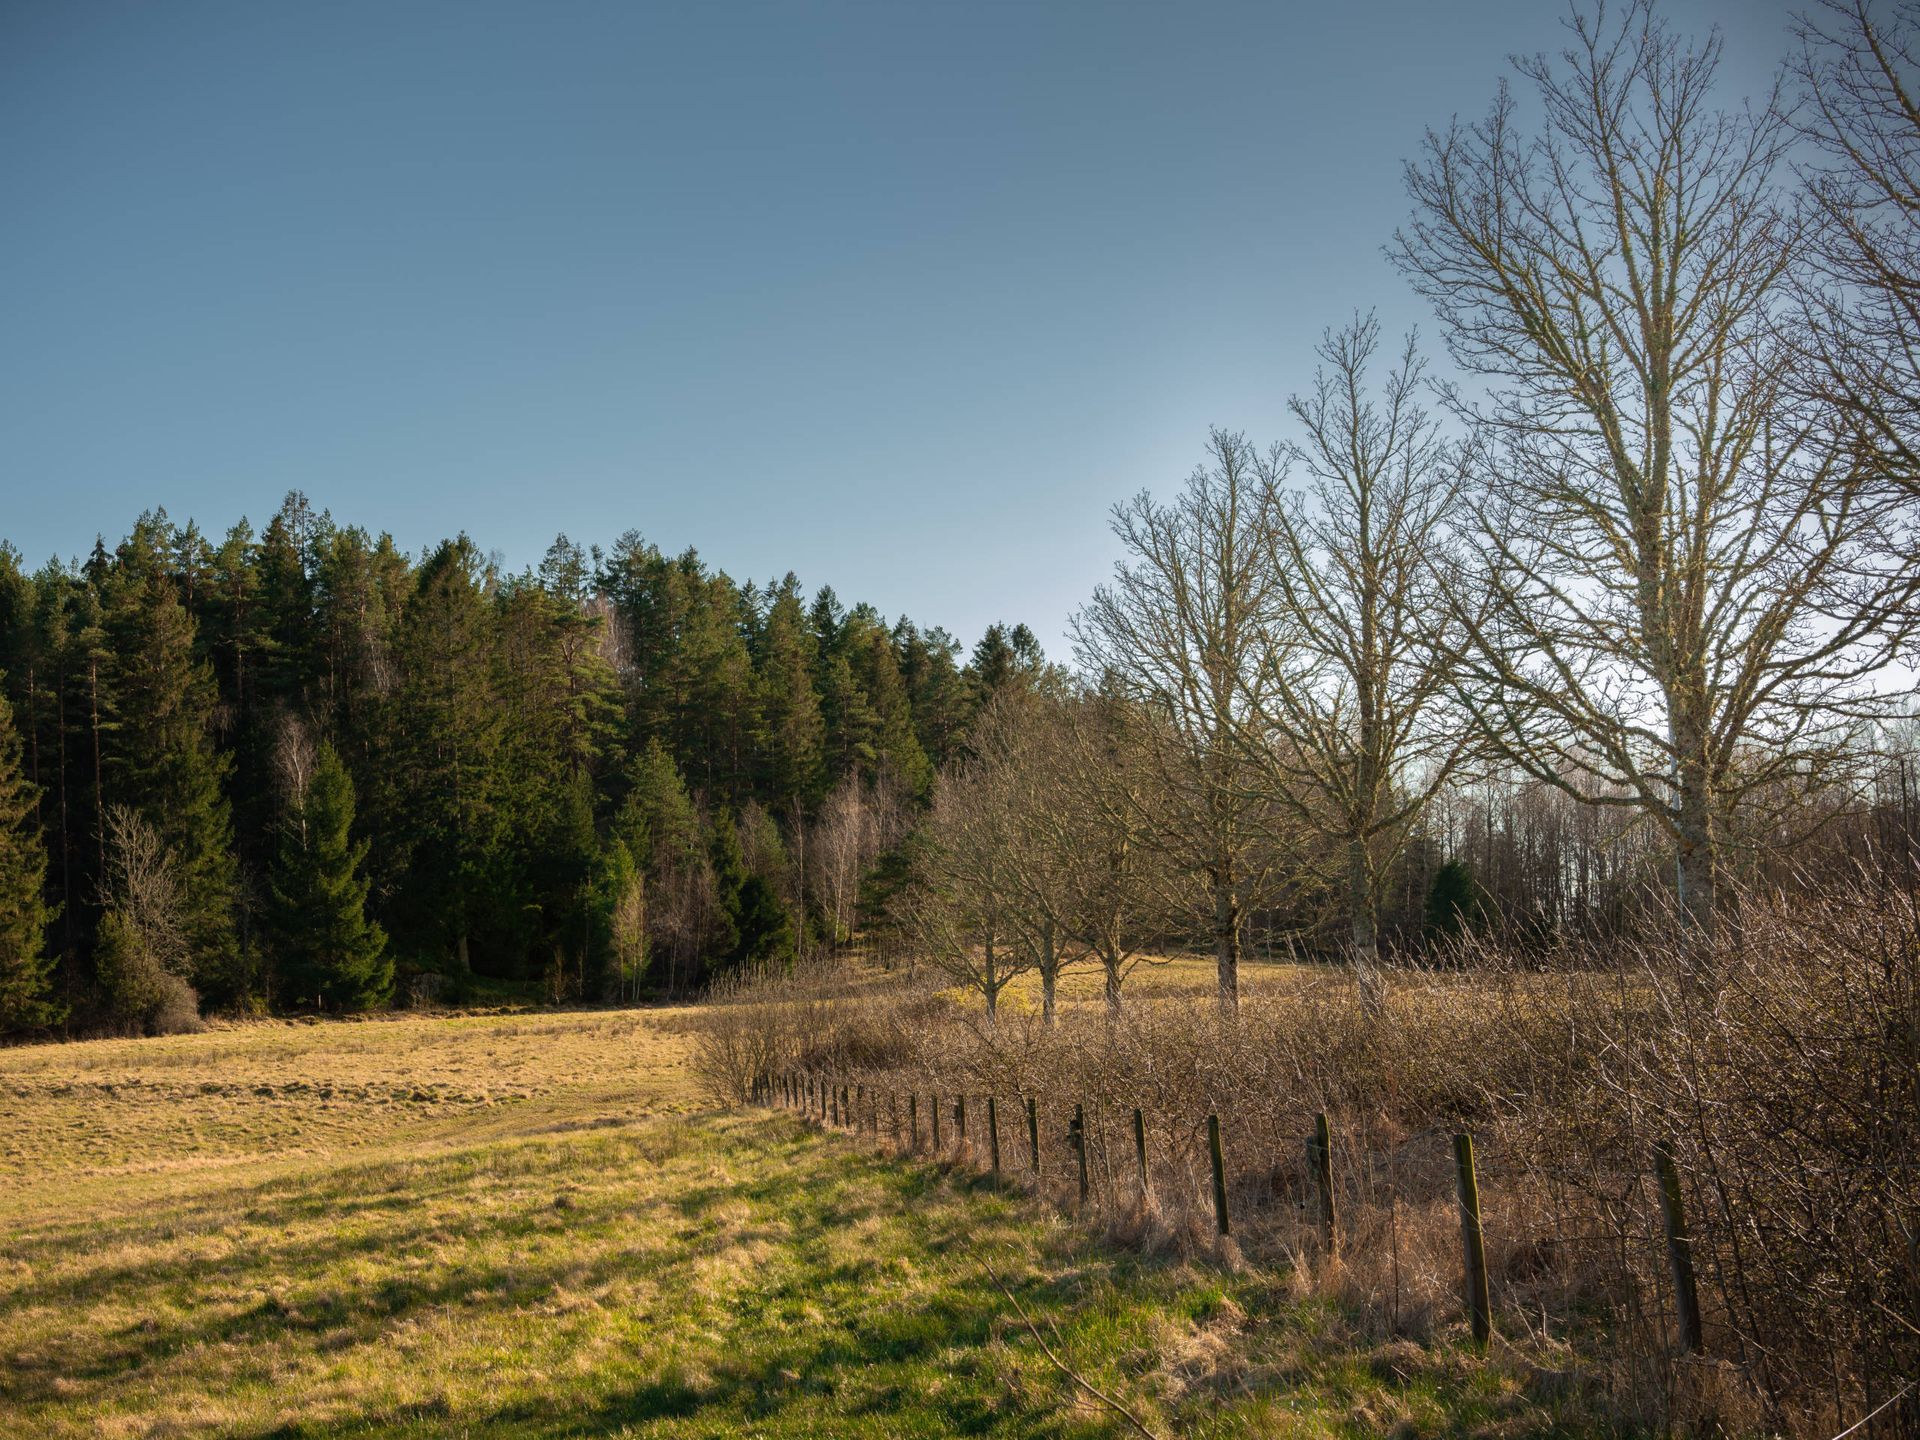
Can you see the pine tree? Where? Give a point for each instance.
(897, 755)
(792, 772)
(328, 952)
(937, 691)
(162, 761)
(26, 970)
(441, 759)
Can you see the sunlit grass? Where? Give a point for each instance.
(264, 1231)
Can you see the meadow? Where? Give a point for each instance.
(533, 1224)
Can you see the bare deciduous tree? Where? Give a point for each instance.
(1688, 592)
(1858, 67)
(961, 913)
(1354, 726)
(1023, 734)
(1115, 872)
(1184, 628)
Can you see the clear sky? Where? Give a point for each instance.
(900, 297)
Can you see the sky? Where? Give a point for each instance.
(900, 297)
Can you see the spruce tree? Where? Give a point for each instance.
(163, 762)
(26, 970)
(441, 762)
(792, 771)
(328, 952)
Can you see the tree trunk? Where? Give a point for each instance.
(1049, 976)
(1697, 866)
(1226, 939)
(1360, 905)
(1113, 989)
(1696, 845)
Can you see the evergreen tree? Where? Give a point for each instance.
(937, 692)
(26, 970)
(618, 913)
(328, 952)
(792, 772)
(897, 755)
(162, 761)
(440, 757)
(1453, 901)
(1005, 656)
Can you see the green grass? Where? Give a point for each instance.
(581, 1261)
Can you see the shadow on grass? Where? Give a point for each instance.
(828, 1326)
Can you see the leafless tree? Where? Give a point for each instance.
(1858, 66)
(1183, 627)
(961, 914)
(293, 761)
(1115, 873)
(1690, 598)
(1022, 734)
(143, 951)
(1355, 728)
(142, 883)
(844, 844)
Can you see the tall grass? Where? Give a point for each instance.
(1781, 1061)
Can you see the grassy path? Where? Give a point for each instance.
(595, 1256)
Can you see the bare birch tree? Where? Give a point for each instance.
(1184, 628)
(1689, 595)
(1355, 730)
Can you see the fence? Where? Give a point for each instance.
(840, 1103)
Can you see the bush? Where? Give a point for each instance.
(1777, 1061)
(142, 996)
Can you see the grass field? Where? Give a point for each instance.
(526, 1225)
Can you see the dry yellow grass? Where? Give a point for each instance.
(510, 1225)
(249, 1097)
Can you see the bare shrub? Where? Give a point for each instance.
(806, 1018)
(1779, 1062)
(141, 947)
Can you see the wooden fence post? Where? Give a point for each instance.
(1078, 1130)
(893, 1117)
(1686, 1295)
(913, 1120)
(960, 1121)
(1140, 1152)
(1033, 1136)
(993, 1135)
(933, 1113)
(1320, 1152)
(835, 1103)
(1219, 1158)
(1473, 1240)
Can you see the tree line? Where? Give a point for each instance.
(298, 768)
(1608, 614)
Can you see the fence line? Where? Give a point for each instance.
(820, 1099)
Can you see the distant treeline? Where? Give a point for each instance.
(299, 768)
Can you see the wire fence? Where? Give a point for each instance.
(1431, 1227)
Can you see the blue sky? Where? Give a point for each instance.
(900, 297)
